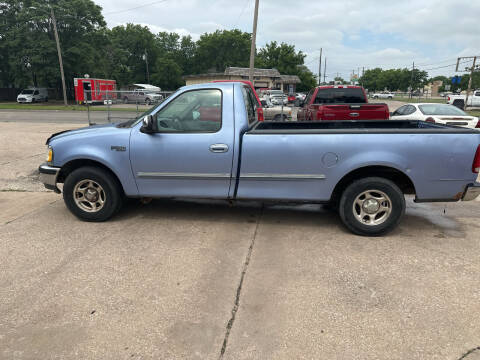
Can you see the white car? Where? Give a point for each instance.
(383, 95)
(435, 113)
(32, 95)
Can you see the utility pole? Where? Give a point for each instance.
(325, 70)
(254, 40)
(59, 57)
(411, 80)
(320, 68)
(472, 69)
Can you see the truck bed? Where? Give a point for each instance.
(360, 127)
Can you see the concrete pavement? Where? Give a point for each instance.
(203, 280)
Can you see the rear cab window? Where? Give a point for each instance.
(250, 104)
(340, 96)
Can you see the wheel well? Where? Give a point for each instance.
(399, 178)
(75, 164)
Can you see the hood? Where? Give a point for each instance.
(96, 129)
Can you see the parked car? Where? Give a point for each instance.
(459, 100)
(275, 112)
(383, 95)
(436, 113)
(301, 96)
(364, 168)
(340, 102)
(277, 97)
(32, 95)
(144, 94)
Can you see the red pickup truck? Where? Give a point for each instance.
(340, 102)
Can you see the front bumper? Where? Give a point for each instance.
(48, 176)
(472, 192)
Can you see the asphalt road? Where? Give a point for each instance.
(204, 280)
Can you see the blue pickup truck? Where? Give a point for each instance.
(205, 141)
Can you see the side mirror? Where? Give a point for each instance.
(148, 125)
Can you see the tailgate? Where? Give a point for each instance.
(353, 112)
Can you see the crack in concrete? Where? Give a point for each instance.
(236, 304)
(464, 356)
(16, 160)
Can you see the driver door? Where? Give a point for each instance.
(191, 153)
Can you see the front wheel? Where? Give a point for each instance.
(372, 206)
(92, 194)
(148, 102)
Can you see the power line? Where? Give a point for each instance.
(135, 8)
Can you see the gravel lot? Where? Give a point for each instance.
(203, 280)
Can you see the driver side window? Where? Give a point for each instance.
(192, 111)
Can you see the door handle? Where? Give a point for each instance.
(219, 148)
(354, 114)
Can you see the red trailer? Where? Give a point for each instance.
(94, 91)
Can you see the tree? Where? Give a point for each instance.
(27, 45)
(282, 57)
(287, 61)
(167, 74)
(308, 79)
(222, 49)
(129, 44)
(339, 79)
(393, 79)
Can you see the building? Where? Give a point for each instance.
(432, 89)
(263, 78)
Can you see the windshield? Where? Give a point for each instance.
(441, 109)
(27, 92)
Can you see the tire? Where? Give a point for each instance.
(46, 99)
(370, 192)
(459, 104)
(97, 180)
(148, 102)
(375, 97)
(125, 100)
(279, 117)
(390, 97)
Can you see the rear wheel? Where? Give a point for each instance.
(125, 100)
(148, 101)
(92, 194)
(372, 206)
(459, 104)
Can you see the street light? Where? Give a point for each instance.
(59, 51)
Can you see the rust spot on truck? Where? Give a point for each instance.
(458, 196)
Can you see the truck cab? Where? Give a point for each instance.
(340, 102)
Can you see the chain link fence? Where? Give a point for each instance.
(116, 106)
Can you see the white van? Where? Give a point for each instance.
(32, 95)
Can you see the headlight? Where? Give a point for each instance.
(50, 154)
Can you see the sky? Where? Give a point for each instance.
(354, 34)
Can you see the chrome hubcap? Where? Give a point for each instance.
(89, 195)
(372, 207)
